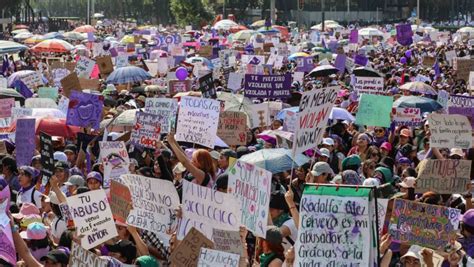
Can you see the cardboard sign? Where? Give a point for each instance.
(205, 51)
(48, 92)
(177, 86)
(198, 198)
(154, 201)
(369, 85)
(92, 84)
(415, 223)
(165, 108)
(451, 131)
(267, 86)
(105, 65)
(471, 81)
(407, 116)
(463, 67)
(188, 251)
(114, 157)
(428, 61)
(206, 86)
(227, 241)
(47, 156)
(235, 81)
(120, 202)
(462, 105)
(8, 251)
(215, 258)
(198, 120)
(251, 185)
(315, 107)
(6, 105)
(85, 110)
(232, 128)
(147, 130)
(260, 116)
(92, 216)
(369, 105)
(69, 83)
(447, 176)
(81, 257)
(25, 141)
(84, 67)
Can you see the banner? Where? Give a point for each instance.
(369, 85)
(335, 227)
(154, 201)
(85, 110)
(165, 108)
(206, 86)
(47, 157)
(84, 67)
(6, 105)
(198, 120)
(374, 104)
(120, 201)
(267, 86)
(81, 257)
(251, 186)
(315, 107)
(207, 209)
(188, 250)
(416, 223)
(407, 116)
(447, 176)
(232, 128)
(25, 141)
(92, 216)
(450, 131)
(462, 105)
(146, 131)
(115, 160)
(216, 258)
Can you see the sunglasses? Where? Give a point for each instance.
(378, 130)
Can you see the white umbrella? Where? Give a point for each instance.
(23, 36)
(466, 30)
(15, 32)
(368, 32)
(331, 24)
(225, 24)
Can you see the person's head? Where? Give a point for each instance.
(56, 258)
(26, 176)
(74, 182)
(328, 143)
(407, 183)
(431, 198)
(223, 161)
(467, 223)
(368, 168)
(321, 173)
(411, 259)
(352, 162)
(123, 250)
(379, 132)
(94, 180)
(385, 149)
(36, 162)
(363, 140)
(374, 154)
(403, 163)
(302, 171)
(456, 153)
(61, 170)
(222, 182)
(70, 151)
(426, 143)
(405, 135)
(384, 174)
(324, 155)
(272, 241)
(122, 230)
(276, 124)
(277, 204)
(202, 160)
(9, 167)
(410, 171)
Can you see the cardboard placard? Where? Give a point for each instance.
(69, 83)
(205, 51)
(188, 251)
(92, 84)
(105, 64)
(429, 61)
(120, 202)
(448, 176)
(232, 128)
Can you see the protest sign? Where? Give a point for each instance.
(404, 34)
(47, 156)
(40, 103)
(471, 81)
(25, 141)
(369, 85)
(251, 185)
(228, 241)
(443, 98)
(443, 176)
(105, 65)
(428, 61)
(462, 105)
(205, 209)
(215, 258)
(232, 128)
(407, 116)
(451, 131)
(120, 202)
(206, 86)
(304, 64)
(69, 83)
(361, 60)
(335, 227)
(188, 251)
(48, 92)
(63, 104)
(7, 251)
(260, 116)
(315, 107)
(85, 110)
(381, 213)
(235, 81)
(84, 67)
(267, 86)
(33, 79)
(114, 157)
(80, 257)
(177, 86)
(57, 75)
(463, 67)
(154, 201)
(165, 108)
(92, 216)
(450, 56)
(146, 131)
(92, 84)
(369, 105)
(198, 120)
(416, 223)
(6, 105)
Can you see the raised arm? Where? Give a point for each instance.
(198, 174)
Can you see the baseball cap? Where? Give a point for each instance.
(408, 182)
(353, 160)
(320, 168)
(34, 231)
(371, 182)
(215, 155)
(60, 156)
(229, 153)
(387, 146)
(468, 218)
(26, 209)
(56, 256)
(456, 151)
(70, 148)
(273, 235)
(328, 141)
(324, 152)
(61, 165)
(76, 180)
(405, 132)
(126, 248)
(30, 170)
(94, 175)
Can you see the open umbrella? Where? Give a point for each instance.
(84, 29)
(53, 46)
(466, 30)
(369, 32)
(11, 47)
(35, 39)
(243, 36)
(258, 23)
(15, 32)
(275, 160)
(128, 74)
(22, 36)
(74, 36)
(53, 35)
(297, 55)
(21, 26)
(322, 71)
(423, 103)
(366, 72)
(341, 114)
(225, 24)
(274, 133)
(18, 75)
(419, 87)
(237, 28)
(53, 127)
(9, 93)
(328, 24)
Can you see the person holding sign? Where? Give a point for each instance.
(28, 194)
(270, 252)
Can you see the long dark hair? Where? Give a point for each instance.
(275, 248)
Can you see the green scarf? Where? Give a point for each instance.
(281, 219)
(265, 259)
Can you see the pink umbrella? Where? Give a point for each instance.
(84, 29)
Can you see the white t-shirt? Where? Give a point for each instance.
(58, 226)
(294, 234)
(25, 197)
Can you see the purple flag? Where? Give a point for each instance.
(333, 44)
(360, 60)
(113, 52)
(436, 68)
(340, 63)
(404, 34)
(84, 109)
(267, 86)
(90, 37)
(304, 64)
(22, 88)
(354, 37)
(25, 141)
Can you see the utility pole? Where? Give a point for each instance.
(272, 12)
(322, 15)
(418, 11)
(88, 20)
(223, 10)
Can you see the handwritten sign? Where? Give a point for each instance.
(463, 67)
(443, 176)
(215, 258)
(315, 107)
(206, 86)
(165, 108)
(84, 67)
(407, 116)
(6, 105)
(198, 120)
(415, 223)
(92, 216)
(369, 105)
(267, 86)
(47, 157)
(40, 103)
(48, 92)
(70, 83)
(147, 130)
(114, 157)
(451, 131)
(369, 85)
(25, 141)
(85, 110)
(177, 86)
(188, 251)
(251, 185)
(154, 201)
(462, 105)
(83, 257)
(205, 209)
(33, 79)
(232, 128)
(443, 98)
(120, 202)
(227, 241)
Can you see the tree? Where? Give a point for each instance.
(190, 12)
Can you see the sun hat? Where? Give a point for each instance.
(34, 231)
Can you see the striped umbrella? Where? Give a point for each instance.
(53, 45)
(129, 74)
(84, 29)
(34, 40)
(11, 47)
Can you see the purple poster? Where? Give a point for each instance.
(25, 141)
(462, 105)
(404, 34)
(340, 63)
(304, 64)
(85, 109)
(267, 86)
(360, 60)
(354, 37)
